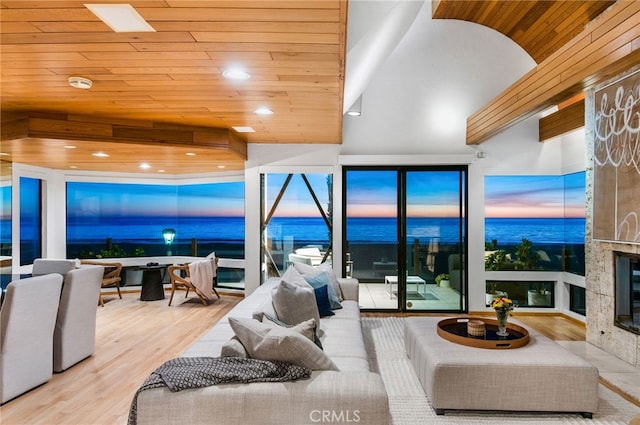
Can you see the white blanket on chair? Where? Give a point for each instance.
(201, 273)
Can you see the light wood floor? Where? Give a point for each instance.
(134, 338)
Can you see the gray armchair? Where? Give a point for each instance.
(74, 338)
(45, 266)
(27, 321)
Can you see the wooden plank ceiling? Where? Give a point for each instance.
(162, 90)
(293, 49)
(539, 27)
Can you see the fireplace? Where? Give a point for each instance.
(627, 291)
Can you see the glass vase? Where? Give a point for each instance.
(502, 322)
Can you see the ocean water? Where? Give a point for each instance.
(360, 230)
(537, 230)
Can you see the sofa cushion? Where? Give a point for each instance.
(309, 271)
(234, 348)
(322, 279)
(322, 301)
(294, 304)
(279, 343)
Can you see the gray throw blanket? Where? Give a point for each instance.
(197, 372)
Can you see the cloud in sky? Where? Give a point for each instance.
(131, 200)
(429, 193)
(534, 196)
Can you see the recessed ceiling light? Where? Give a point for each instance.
(4, 154)
(120, 17)
(190, 154)
(222, 166)
(80, 83)
(236, 74)
(100, 154)
(241, 129)
(354, 113)
(145, 166)
(69, 147)
(263, 111)
(161, 171)
(72, 166)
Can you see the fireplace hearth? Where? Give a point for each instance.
(627, 291)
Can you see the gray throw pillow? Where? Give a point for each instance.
(294, 304)
(292, 275)
(308, 328)
(309, 271)
(279, 344)
(234, 348)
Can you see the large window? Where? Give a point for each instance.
(30, 220)
(125, 220)
(535, 222)
(296, 220)
(5, 219)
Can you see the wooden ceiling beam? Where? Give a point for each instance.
(608, 46)
(561, 122)
(15, 125)
(79, 127)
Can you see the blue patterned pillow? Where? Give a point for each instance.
(322, 300)
(323, 279)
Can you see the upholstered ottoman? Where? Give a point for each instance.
(541, 376)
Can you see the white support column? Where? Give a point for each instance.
(252, 237)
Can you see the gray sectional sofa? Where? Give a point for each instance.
(351, 394)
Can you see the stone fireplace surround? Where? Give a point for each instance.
(600, 294)
(600, 266)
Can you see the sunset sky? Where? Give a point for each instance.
(535, 196)
(429, 194)
(369, 194)
(215, 199)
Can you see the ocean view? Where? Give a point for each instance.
(311, 229)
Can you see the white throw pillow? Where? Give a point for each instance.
(309, 271)
(279, 344)
(294, 304)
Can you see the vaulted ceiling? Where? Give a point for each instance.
(158, 96)
(539, 27)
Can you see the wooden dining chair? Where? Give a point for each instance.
(111, 277)
(180, 278)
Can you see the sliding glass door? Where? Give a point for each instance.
(404, 236)
(371, 234)
(434, 229)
